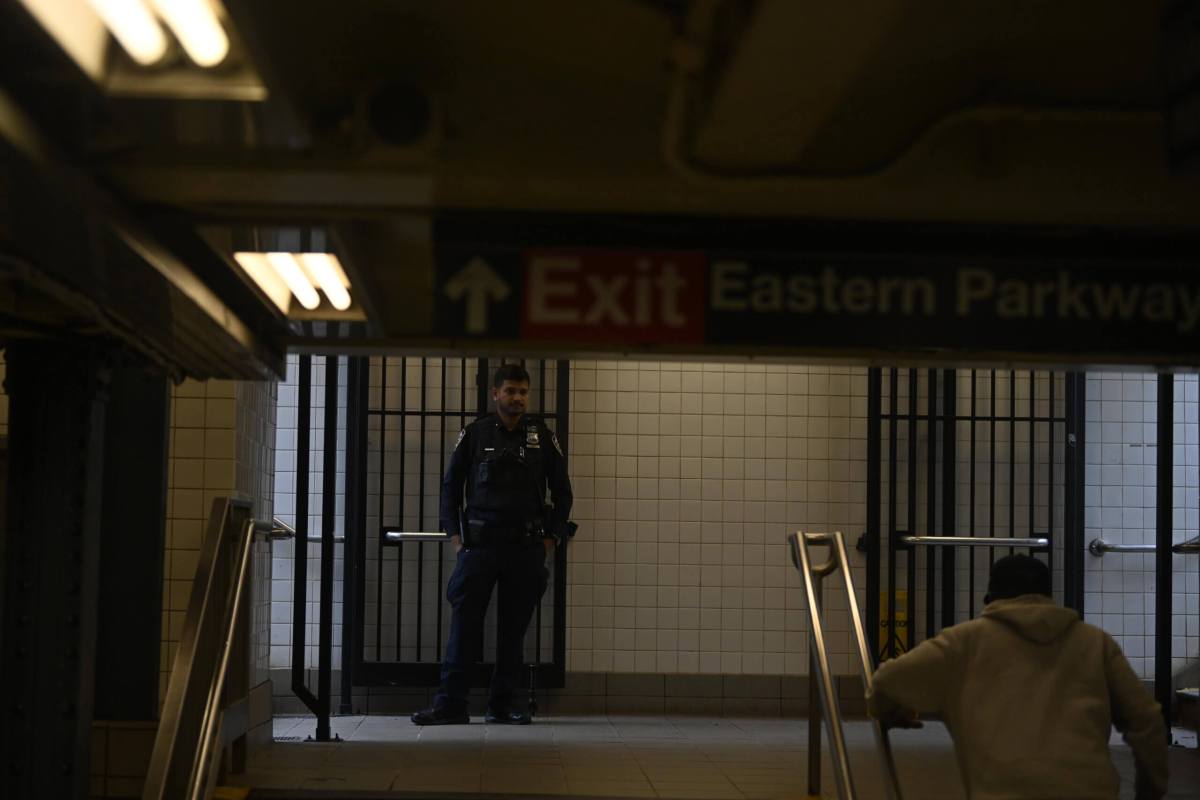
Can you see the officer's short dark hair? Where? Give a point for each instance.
(1013, 576)
(509, 372)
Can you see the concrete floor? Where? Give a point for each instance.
(612, 756)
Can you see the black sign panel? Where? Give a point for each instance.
(478, 292)
(950, 305)
(783, 287)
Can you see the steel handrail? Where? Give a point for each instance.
(281, 530)
(397, 537)
(184, 758)
(203, 772)
(1099, 547)
(1036, 542)
(812, 578)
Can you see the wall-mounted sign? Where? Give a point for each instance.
(749, 301)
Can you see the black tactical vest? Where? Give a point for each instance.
(507, 483)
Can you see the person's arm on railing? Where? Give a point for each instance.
(1139, 719)
(913, 684)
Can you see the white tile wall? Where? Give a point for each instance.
(688, 476)
(222, 437)
(283, 555)
(1120, 508)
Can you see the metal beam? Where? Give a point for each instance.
(1164, 507)
(58, 396)
(129, 631)
(88, 251)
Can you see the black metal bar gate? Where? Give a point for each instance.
(410, 410)
(1009, 465)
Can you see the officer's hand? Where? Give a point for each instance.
(457, 542)
(549, 545)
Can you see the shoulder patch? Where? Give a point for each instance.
(554, 441)
(462, 433)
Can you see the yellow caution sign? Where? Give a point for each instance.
(901, 635)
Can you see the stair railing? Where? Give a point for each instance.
(198, 718)
(822, 691)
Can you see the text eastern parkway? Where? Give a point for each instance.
(735, 286)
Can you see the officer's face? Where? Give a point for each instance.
(511, 398)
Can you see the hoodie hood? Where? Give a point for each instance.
(1034, 616)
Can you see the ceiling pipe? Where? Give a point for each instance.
(689, 56)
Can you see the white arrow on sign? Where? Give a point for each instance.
(479, 282)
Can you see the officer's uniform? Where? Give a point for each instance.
(505, 474)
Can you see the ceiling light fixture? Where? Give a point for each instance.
(134, 27)
(266, 277)
(294, 276)
(327, 271)
(282, 276)
(197, 29)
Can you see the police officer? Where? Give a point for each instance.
(506, 461)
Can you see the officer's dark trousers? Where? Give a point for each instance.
(520, 573)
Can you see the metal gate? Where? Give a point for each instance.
(405, 417)
(963, 465)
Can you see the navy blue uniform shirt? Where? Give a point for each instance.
(505, 475)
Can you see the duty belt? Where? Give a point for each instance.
(481, 533)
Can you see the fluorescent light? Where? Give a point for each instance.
(262, 273)
(132, 24)
(197, 29)
(78, 30)
(289, 269)
(327, 271)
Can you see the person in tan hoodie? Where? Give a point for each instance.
(1030, 694)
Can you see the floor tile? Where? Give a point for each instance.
(616, 756)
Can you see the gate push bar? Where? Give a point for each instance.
(1037, 543)
(1099, 547)
(397, 536)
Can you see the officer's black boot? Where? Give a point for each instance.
(440, 715)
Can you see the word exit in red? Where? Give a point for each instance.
(618, 296)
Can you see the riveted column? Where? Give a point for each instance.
(58, 397)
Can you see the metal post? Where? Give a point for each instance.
(931, 505)
(866, 665)
(58, 395)
(354, 521)
(893, 532)
(814, 705)
(1165, 485)
(874, 498)
(949, 484)
(129, 627)
(300, 542)
(328, 507)
(833, 720)
(1073, 568)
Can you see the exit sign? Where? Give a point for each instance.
(635, 297)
